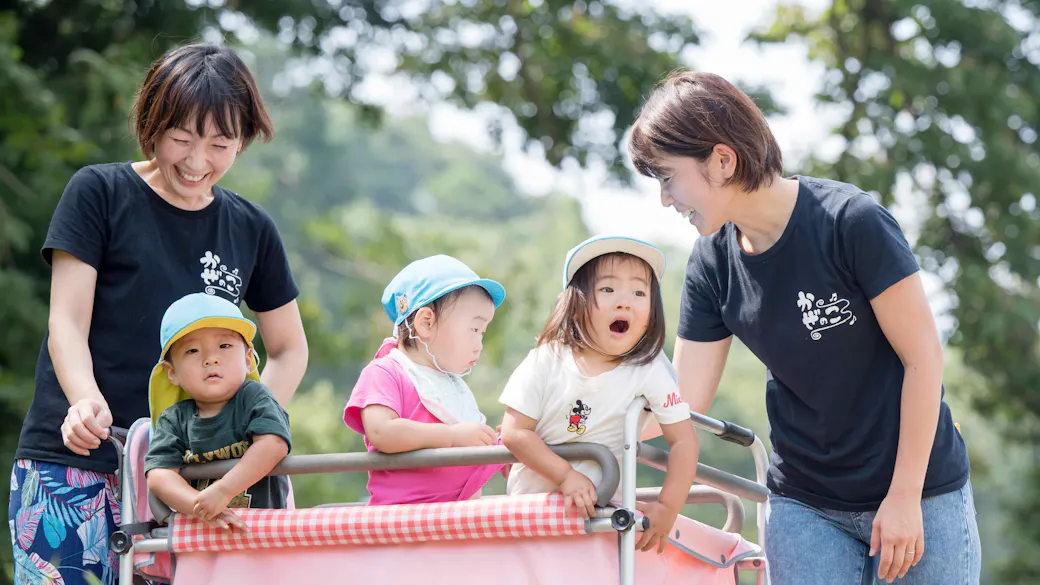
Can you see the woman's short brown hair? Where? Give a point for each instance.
(689, 113)
(569, 322)
(200, 81)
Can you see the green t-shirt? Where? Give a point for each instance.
(181, 438)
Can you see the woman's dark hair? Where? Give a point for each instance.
(438, 306)
(689, 112)
(569, 322)
(201, 81)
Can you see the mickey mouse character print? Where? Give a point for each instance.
(579, 413)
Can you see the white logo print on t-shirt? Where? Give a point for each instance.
(819, 315)
(219, 279)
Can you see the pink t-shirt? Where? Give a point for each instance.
(384, 382)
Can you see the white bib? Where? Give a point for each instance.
(446, 396)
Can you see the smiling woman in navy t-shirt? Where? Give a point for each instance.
(818, 280)
(125, 241)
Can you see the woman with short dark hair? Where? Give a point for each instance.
(819, 282)
(125, 241)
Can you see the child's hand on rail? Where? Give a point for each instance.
(211, 502)
(227, 520)
(471, 434)
(578, 489)
(662, 518)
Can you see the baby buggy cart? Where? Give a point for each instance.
(497, 539)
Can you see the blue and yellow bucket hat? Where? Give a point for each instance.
(190, 313)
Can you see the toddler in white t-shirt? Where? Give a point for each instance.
(600, 349)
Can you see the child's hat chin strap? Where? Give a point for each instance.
(433, 358)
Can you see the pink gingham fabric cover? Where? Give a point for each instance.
(532, 515)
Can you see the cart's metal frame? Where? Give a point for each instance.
(718, 486)
(637, 452)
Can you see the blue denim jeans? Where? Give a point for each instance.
(810, 546)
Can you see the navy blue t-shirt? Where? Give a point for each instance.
(147, 254)
(834, 382)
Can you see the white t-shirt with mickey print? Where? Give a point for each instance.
(571, 407)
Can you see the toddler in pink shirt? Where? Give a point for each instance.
(412, 395)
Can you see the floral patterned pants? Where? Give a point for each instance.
(60, 519)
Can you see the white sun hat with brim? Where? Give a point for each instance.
(602, 244)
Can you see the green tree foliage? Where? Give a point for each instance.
(550, 64)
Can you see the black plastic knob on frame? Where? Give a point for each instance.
(621, 519)
(737, 434)
(119, 542)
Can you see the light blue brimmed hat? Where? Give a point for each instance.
(191, 313)
(424, 281)
(602, 244)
